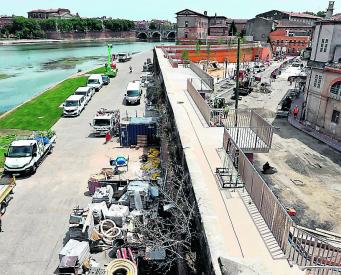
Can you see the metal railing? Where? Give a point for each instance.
(209, 80)
(199, 101)
(273, 213)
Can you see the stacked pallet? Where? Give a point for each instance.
(81, 224)
(142, 140)
(103, 194)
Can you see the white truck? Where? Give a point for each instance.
(123, 57)
(95, 81)
(106, 121)
(25, 154)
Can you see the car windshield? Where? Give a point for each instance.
(80, 93)
(105, 78)
(93, 81)
(101, 122)
(133, 93)
(19, 151)
(71, 103)
(121, 54)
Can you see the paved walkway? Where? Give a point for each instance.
(229, 228)
(301, 125)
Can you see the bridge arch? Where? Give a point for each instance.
(156, 35)
(142, 36)
(171, 35)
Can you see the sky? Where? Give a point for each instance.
(161, 9)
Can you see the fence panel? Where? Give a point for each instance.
(209, 80)
(199, 101)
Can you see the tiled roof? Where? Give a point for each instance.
(50, 10)
(302, 14)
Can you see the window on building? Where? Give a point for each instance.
(186, 35)
(336, 116)
(317, 81)
(325, 45)
(336, 88)
(186, 24)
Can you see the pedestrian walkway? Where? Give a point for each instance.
(333, 143)
(229, 229)
(301, 125)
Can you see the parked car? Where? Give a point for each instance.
(106, 79)
(95, 81)
(74, 105)
(134, 92)
(86, 92)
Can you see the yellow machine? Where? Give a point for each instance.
(7, 185)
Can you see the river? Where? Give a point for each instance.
(27, 70)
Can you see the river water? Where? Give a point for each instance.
(27, 70)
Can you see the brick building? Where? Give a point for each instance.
(59, 13)
(194, 25)
(285, 42)
(5, 20)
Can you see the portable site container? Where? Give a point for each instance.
(136, 126)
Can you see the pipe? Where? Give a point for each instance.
(119, 264)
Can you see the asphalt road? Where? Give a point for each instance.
(36, 222)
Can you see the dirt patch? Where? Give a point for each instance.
(308, 177)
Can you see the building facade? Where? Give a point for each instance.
(6, 20)
(288, 43)
(197, 26)
(191, 25)
(323, 93)
(59, 13)
(259, 28)
(291, 16)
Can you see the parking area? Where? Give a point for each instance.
(36, 222)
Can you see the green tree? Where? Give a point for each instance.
(185, 55)
(321, 14)
(48, 24)
(197, 48)
(152, 26)
(233, 29)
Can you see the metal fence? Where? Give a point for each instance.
(273, 213)
(199, 101)
(306, 249)
(209, 80)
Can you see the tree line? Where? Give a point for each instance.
(29, 28)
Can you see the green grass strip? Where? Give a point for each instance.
(42, 112)
(100, 70)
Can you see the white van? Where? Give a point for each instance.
(86, 92)
(95, 81)
(74, 105)
(134, 92)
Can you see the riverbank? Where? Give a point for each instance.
(50, 41)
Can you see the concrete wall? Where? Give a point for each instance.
(129, 35)
(259, 28)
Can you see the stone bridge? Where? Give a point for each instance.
(156, 35)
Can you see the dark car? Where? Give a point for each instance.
(106, 79)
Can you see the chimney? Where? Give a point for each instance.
(205, 12)
(330, 10)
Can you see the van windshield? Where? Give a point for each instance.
(19, 151)
(133, 93)
(80, 93)
(71, 103)
(101, 122)
(93, 81)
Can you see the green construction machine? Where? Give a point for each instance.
(110, 68)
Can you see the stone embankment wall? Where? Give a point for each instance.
(126, 35)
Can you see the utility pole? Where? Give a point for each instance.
(237, 84)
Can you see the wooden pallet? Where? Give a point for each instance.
(142, 140)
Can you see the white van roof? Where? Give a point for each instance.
(74, 97)
(83, 89)
(134, 85)
(95, 76)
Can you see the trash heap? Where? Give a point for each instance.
(111, 223)
(151, 164)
